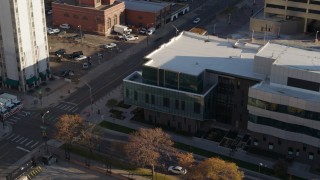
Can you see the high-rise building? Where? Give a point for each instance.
(23, 44)
(288, 16)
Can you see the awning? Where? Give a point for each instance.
(31, 80)
(12, 82)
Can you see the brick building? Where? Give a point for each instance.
(147, 14)
(94, 16)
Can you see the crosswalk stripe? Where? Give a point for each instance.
(16, 117)
(34, 144)
(57, 106)
(71, 108)
(14, 120)
(9, 122)
(62, 107)
(75, 110)
(15, 138)
(23, 115)
(10, 136)
(19, 139)
(23, 149)
(29, 143)
(68, 108)
(23, 141)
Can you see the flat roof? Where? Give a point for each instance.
(192, 53)
(76, 3)
(144, 6)
(266, 87)
(292, 57)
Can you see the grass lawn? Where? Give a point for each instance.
(116, 127)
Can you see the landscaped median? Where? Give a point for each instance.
(198, 151)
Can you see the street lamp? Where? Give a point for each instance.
(260, 164)
(177, 30)
(44, 116)
(214, 29)
(252, 35)
(279, 31)
(80, 32)
(317, 36)
(89, 94)
(147, 32)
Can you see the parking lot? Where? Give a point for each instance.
(92, 46)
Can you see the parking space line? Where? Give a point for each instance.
(23, 141)
(23, 149)
(75, 110)
(19, 139)
(10, 136)
(34, 144)
(15, 138)
(29, 143)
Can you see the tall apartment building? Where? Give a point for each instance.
(288, 16)
(195, 82)
(23, 43)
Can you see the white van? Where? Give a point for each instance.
(151, 31)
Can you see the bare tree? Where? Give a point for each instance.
(111, 103)
(68, 128)
(215, 168)
(149, 147)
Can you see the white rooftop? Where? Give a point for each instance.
(282, 90)
(292, 57)
(190, 53)
(144, 6)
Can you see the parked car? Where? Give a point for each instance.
(76, 54)
(131, 37)
(150, 31)
(49, 12)
(196, 21)
(49, 159)
(65, 26)
(85, 65)
(177, 170)
(60, 52)
(53, 31)
(143, 31)
(81, 57)
(121, 37)
(110, 45)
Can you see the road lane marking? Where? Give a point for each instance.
(19, 139)
(14, 120)
(69, 103)
(15, 138)
(16, 117)
(23, 141)
(12, 123)
(75, 110)
(22, 115)
(10, 136)
(29, 143)
(23, 149)
(34, 144)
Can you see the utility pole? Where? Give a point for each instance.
(177, 30)
(90, 93)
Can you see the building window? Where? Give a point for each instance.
(166, 102)
(75, 16)
(185, 120)
(196, 107)
(98, 1)
(152, 99)
(290, 151)
(279, 142)
(85, 18)
(182, 105)
(270, 146)
(311, 155)
(255, 142)
(135, 95)
(115, 19)
(297, 152)
(176, 104)
(304, 147)
(66, 15)
(147, 98)
(264, 138)
(109, 23)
